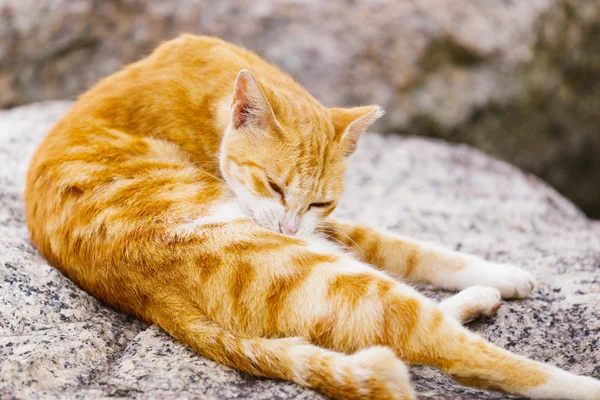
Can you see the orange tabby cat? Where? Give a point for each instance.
(206, 213)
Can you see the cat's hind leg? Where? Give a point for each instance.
(422, 333)
(472, 303)
(374, 373)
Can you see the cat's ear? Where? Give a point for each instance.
(250, 107)
(350, 123)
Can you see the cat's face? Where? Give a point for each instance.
(287, 166)
(278, 187)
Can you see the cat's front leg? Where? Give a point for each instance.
(511, 281)
(420, 262)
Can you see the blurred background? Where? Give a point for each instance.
(517, 79)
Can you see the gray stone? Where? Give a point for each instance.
(56, 341)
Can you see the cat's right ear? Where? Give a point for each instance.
(250, 107)
(350, 123)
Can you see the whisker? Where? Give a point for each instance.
(339, 232)
(212, 176)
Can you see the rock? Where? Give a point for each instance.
(519, 80)
(58, 342)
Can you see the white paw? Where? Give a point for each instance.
(511, 281)
(381, 372)
(484, 300)
(565, 385)
(472, 303)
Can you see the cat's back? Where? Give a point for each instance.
(158, 114)
(191, 67)
(181, 87)
(174, 90)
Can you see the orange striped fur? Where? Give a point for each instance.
(192, 189)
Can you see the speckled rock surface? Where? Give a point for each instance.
(518, 79)
(58, 342)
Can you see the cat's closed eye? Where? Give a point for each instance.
(276, 188)
(321, 205)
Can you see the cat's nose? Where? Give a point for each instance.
(286, 229)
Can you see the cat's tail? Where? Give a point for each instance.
(373, 373)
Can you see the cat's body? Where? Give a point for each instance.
(163, 198)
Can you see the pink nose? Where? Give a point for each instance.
(288, 230)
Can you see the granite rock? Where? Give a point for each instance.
(56, 341)
(518, 79)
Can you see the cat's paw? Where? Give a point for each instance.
(511, 281)
(472, 303)
(480, 301)
(379, 373)
(565, 385)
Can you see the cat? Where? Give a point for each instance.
(193, 189)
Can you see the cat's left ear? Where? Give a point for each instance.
(250, 106)
(350, 123)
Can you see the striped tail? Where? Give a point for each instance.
(373, 373)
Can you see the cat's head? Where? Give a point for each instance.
(284, 154)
